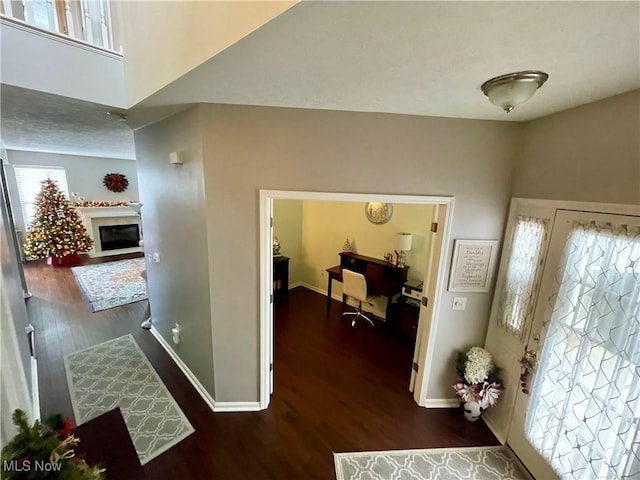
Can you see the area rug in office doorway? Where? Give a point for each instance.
(117, 374)
(474, 463)
(111, 284)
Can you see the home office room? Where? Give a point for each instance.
(314, 237)
(354, 344)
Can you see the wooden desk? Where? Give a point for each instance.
(106, 440)
(383, 278)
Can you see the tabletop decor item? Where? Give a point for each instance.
(276, 247)
(347, 247)
(115, 182)
(45, 452)
(479, 384)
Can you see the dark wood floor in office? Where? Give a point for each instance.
(337, 389)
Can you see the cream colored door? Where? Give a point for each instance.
(521, 265)
(429, 292)
(580, 406)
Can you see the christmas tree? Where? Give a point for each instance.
(56, 230)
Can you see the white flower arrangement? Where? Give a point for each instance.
(478, 378)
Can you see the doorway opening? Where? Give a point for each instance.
(432, 265)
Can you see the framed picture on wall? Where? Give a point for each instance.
(472, 265)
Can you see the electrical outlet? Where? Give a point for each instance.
(459, 303)
(176, 334)
(155, 257)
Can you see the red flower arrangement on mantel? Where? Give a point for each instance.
(115, 182)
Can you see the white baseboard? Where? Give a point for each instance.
(441, 403)
(34, 389)
(213, 405)
(493, 429)
(183, 366)
(296, 284)
(321, 291)
(237, 407)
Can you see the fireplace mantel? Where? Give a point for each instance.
(94, 217)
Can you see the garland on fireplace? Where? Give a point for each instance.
(101, 203)
(56, 229)
(115, 182)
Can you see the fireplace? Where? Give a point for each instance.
(94, 218)
(116, 237)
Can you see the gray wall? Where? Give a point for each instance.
(174, 223)
(251, 148)
(15, 374)
(84, 175)
(589, 153)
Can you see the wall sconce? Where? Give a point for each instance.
(510, 90)
(176, 158)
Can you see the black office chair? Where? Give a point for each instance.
(354, 285)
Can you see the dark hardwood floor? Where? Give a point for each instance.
(337, 389)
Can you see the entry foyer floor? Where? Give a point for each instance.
(337, 389)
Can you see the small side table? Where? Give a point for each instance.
(280, 278)
(404, 320)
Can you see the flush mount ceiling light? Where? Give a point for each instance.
(510, 90)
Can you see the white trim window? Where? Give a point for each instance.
(28, 179)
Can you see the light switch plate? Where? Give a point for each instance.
(459, 303)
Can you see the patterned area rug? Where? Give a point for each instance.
(474, 463)
(117, 374)
(111, 284)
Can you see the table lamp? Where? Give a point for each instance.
(403, 245)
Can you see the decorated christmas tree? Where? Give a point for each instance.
(56, 230)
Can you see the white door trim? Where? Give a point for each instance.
(594, 207)
(266, 311)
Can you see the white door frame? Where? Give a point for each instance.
(425, 344)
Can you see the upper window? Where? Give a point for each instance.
(86, 20)
(28, 180)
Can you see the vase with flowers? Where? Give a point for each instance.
(479, 384)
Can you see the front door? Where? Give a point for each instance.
(577, 414)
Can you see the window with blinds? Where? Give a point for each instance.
(28, 180)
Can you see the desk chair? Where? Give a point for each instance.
(354, 285)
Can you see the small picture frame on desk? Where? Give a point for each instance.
(472, 265)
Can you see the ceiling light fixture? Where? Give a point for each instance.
(510, 90)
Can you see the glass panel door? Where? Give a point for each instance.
(582, 416)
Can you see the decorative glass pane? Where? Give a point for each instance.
(584, 412)
(522, 276)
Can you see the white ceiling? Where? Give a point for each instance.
(423, 58)
(38, 121)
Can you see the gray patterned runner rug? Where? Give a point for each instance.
(117, 374)
(474, 463)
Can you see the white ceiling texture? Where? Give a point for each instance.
(423, 58)
(419, 58)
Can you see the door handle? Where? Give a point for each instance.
(528, 362)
